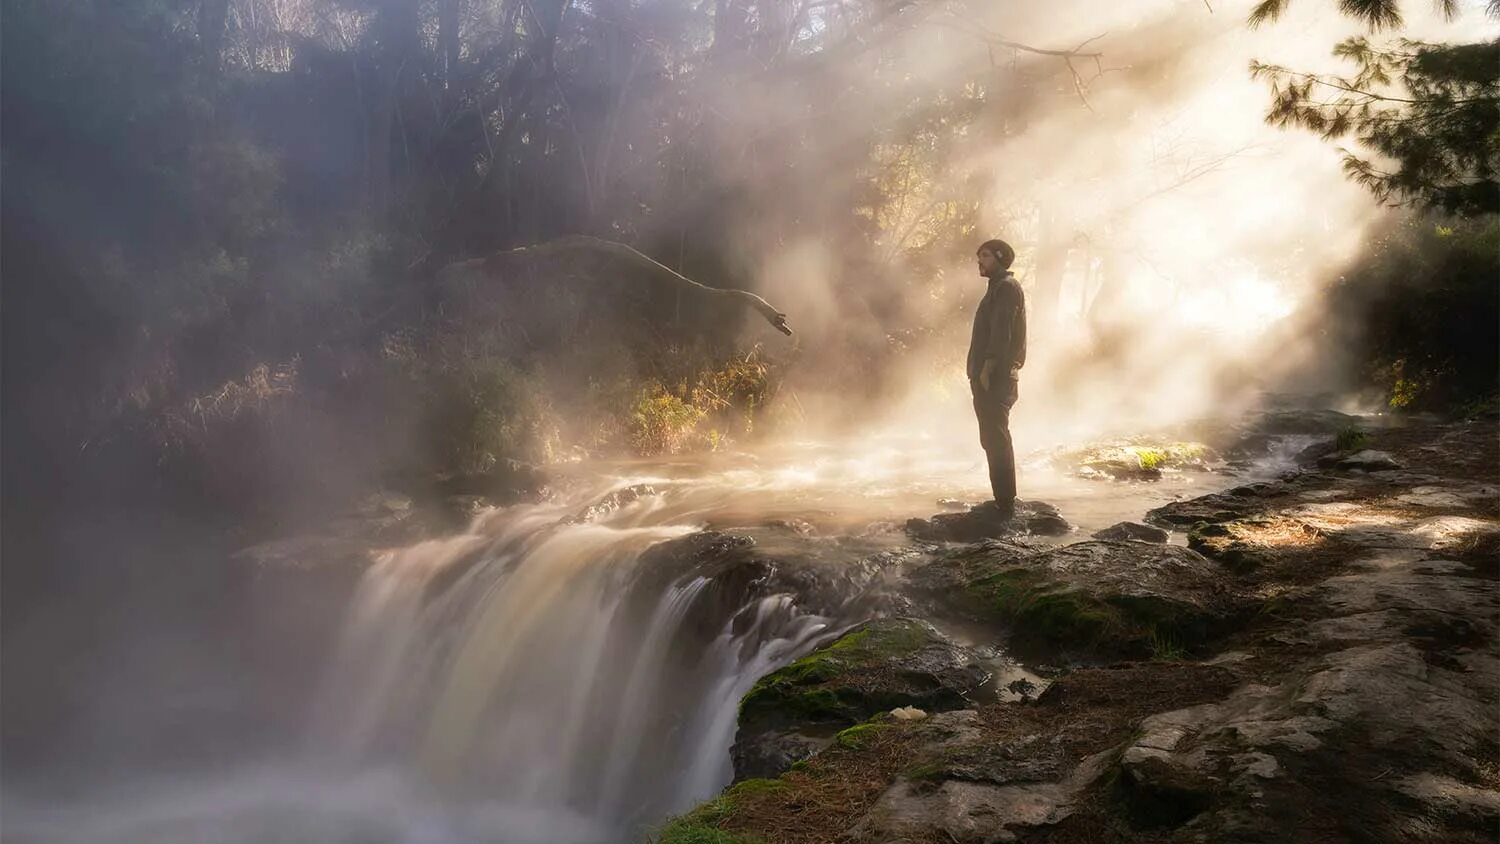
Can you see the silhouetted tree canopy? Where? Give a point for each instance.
(1431, 110)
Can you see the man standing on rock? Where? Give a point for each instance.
(997, 350)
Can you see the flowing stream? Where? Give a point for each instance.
(540, 679)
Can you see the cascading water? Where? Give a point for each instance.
(540, 678)
(546, 667)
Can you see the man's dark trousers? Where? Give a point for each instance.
(993, 406)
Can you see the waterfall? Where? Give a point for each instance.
(547, 668)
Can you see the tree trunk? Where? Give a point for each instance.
(212, 15)
(397, 30)
(449, 15)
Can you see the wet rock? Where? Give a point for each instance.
(611, 503)
(1128, 598)
(1368, 460)
(1137, 459)
(1118, 470)
(1385, 726)
(767, 754)
(1133, 531)
(1380, 710)
(800, 527)
(1360, 708)
(463, 508)
(953, 504)
(1242, 501)
(1270, 541)
(876, 667)
(1259, 434)
(739, 572)
(1212, 509)
(1302, 421)
(980, 810)
(1310, 455)
(985, 522)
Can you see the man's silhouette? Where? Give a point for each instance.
(997, 350)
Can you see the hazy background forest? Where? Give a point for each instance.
(223, 220)
(228, 227)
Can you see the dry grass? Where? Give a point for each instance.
(828, 793)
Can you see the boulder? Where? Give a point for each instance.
(1302, 421)
(739, 573)
(985, 522)
(876, 667)
(1136, 531)
(1212, 509)
(766, 754)
(1366, 460)
(611, 503)
(1097, 597)
(1137, 459)
(980, 792)
(972, 813)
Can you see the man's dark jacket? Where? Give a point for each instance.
(999, 329)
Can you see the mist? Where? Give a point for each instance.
(383, 455)
(1173, 245)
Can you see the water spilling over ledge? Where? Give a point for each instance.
(572, 670)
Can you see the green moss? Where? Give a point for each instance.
(1150, 458)
(702, 825)
(1350, 439)
(682, 832)
(776, 695)
(1169, 455)
(927, 771)
(1044, 611)
(809, 689)
(858, 737)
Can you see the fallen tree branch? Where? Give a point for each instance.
(575, 243)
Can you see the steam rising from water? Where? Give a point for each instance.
(1188, 234)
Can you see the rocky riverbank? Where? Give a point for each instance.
(1319, 665)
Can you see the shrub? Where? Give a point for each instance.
(1422, 311)
(1350, 439)
(661, 422)
(488, 411)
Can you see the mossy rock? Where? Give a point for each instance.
(858, 736)
(1140, 459)
(877, 666)
(873, 668)
(1089, 598)
(983, 522)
